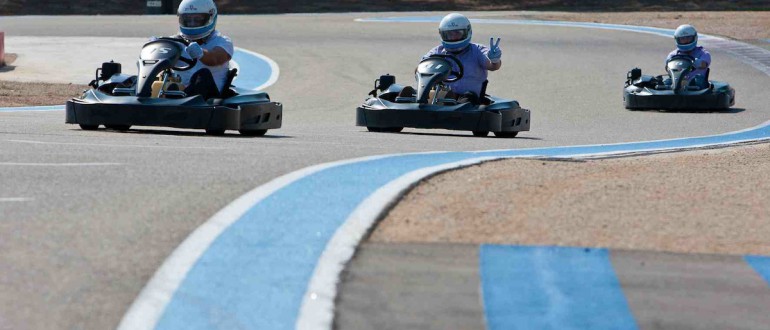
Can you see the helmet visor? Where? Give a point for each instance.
(454, 35)
(686, 40)
(194, 20)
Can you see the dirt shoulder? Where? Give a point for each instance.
(748, 26)
(16, 94)
(705, 201)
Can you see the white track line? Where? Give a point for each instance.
(111, 145)
(59, 164)
(15, 199)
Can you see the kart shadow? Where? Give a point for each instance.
(725, 111)
(233, 135)
(468, 135)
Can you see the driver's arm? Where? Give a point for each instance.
(493, 66)
(215, 57)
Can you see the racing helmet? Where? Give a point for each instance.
(686, 37)
(197, 18)
(455, 30)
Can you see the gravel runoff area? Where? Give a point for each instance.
(700, 201)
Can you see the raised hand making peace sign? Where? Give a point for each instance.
(494, 50)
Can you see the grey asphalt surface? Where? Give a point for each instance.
(83, 240)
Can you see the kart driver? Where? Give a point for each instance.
(687, 44)
(213, 50)
(455, 31)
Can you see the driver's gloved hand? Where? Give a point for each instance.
(194, 50)
(699, 64)
(494, 53)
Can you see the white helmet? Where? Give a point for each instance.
(686, 37)
(197, 18)
(455, 30)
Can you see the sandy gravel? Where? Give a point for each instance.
(708, 201)
(750, 26)
(15, 94)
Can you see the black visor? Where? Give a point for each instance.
(454, 35)
(194, 20)
(686, 40)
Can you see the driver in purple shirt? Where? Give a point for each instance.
(455, 31)
(687, 44)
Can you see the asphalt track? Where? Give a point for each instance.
(92, 215)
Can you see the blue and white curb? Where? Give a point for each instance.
(255, 72)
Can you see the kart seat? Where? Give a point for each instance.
(226, 90)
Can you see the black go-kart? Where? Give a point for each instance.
(431, 106)
(155, 97)
(676, 92)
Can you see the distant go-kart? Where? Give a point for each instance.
(426, 107)
(155, 98)
(655, 92)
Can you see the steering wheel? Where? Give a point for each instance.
(190, 62)
(457, 75)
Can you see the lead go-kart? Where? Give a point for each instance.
(155, 97)
(427, 106)
(676, 92)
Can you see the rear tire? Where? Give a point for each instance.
(89, 127)
(215, 132)
(253, 132)
(480, 133)
(506, 134)
(121, 128)
(392, 129)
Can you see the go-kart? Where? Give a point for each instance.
(677, 92)
(155, 97)
(429, 106)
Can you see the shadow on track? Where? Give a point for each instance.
(188, 133)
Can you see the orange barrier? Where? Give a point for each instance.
(2, 48)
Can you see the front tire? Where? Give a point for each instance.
(253, 132)
(89, 127)
(215, 132)
(121, 128)
(506, 134)
(392, 129)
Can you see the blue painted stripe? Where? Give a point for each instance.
(551, 288)
(761, 265)
(254, 73)
(40, 108)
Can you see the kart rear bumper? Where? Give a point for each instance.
(708, 101)
(508, 120)
(266, 115)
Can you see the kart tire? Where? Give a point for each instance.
(121, 128)
(392, 129)
(253, 132)
(374, 129)
(506, 134)
(480, 133)
(89, 127)
(215, 132)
